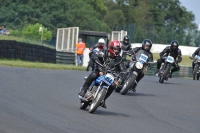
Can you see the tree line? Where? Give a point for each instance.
(158, 20)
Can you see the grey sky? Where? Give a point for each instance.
(193, 6)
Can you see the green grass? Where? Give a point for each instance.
(186, 61)
(38, 65)
(23, 39)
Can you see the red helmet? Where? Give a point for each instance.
(115, 47)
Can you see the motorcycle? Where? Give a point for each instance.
(196, 71)
(165, 68)
(139, 63)
(97, 90)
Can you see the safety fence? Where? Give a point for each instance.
(183, 72)
(65, 58)
(12, 49)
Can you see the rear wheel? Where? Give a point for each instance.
(128, 84)
(198, 76)
(84, 105)
(97, 101)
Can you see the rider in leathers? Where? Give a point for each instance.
(98, 47)
(197, 52)
(175, 52)
(125, 46)
(146, 45)
(112, 59)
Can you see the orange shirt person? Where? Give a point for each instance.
(80, 48)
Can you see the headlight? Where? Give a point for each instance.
(139, 65)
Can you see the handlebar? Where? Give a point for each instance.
(108, 70)
(163, 57)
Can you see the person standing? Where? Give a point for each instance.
(80, 48)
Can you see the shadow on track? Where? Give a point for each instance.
(109, 113)
(172, 83)
(136, 94)
(105, 112)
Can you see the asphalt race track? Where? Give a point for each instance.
(46, 101)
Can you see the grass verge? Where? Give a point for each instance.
(186, 61)
(26, 64)
(38, 65)
(26, 40)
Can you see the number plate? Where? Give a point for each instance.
(109, 79)
(170, 59)
(143, 58)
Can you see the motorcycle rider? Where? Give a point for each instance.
(125, 45)
(98, 47)
(146, 45)
(125, 48)
(197, 52)
(175, 52)
(113, 60)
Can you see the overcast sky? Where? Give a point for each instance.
(193, 6)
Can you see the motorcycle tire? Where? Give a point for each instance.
(117, 89)
(128, 84)
(84, 105)
(195, 74)
(198, 76)
(97, 101)
(162, 77)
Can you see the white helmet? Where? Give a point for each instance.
(101, 40)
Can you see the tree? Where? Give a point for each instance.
(32, 31)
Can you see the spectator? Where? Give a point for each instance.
(6, 31)
(80, 47)
(1, 30)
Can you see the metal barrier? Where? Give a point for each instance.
(11, 49)
(65, 58)
(183, 72)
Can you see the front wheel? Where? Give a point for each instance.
(163, 76)
(128, 84)
(194, 74)
(117, 89)
(97, 101)
(198, 76)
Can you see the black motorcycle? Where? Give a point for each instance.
(165, 68)
(196, 71)
(139, 63)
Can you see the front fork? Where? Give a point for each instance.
(99, 89)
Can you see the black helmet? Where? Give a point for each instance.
(174, 45)
(147, 42)
(126, 40)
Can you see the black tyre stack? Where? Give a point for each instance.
(11, 49)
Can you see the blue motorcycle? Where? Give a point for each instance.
(97, 91)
